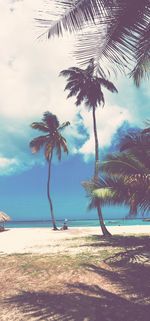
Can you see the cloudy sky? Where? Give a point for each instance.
(29, 85)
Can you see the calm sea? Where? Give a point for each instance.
(76, 223)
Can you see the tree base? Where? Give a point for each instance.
(55, 228)
(106, 234)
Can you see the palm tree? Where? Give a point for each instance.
(86, 86)
(52, 141)
(133, 164)
(131, 169)
(139, 146)
(115, 32)
(119, 190)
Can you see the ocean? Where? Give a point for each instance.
(76, 223)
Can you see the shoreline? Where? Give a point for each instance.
(45, 240)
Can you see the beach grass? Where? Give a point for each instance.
(103, 279)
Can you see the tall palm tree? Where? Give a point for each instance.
(115, 32)
(87, 87)
(52, 141)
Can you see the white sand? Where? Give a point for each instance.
(44, 240)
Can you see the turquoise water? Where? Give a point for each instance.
(76, 223)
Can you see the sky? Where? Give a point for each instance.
(29, 86)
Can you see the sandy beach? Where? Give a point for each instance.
(45, 240)
(75, 274)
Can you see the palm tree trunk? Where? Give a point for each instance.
(96, 170)
(48, 193)
(133, 208)
(101, 221)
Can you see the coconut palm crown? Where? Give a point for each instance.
(87, 87)
(52, 141)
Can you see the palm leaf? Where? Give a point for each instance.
(142, 56)
(117, 32)
(139, 145)
(64, 125)
(108, 84)
(75, 13)
(119, 45)
(110, 191)
(63, 144)
(40, 126)
(58, 150)
(37, 143)
(51, 121)
(104, 193)
(123, 163)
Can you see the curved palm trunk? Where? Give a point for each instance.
(99, 211)
(48, 193)
(133, 209)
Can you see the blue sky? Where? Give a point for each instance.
(29, 86)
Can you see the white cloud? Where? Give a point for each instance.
(109, 119)
(5, 162)
(7, 165)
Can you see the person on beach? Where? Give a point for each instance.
(65, 227)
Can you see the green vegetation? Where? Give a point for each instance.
(52, 142)
(127, 178)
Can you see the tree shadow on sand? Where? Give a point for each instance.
(83, 302)
(86, 303)
(119, 241)
(133, 281)
(135, 249)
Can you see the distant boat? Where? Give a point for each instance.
(146, 219)
(112, 222)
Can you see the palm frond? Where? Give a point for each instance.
(75, 13)
(121, 45)
(104, 193)
(58, 150)
(142, 55)
(37, 143)
(63, 144)
(108, 84)
(114, 32)
(147, 129)
(40, 126)
(94, 202)
(51, 121)
(139, 145)
(110, 191)
(64, 125)
(122, 164)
